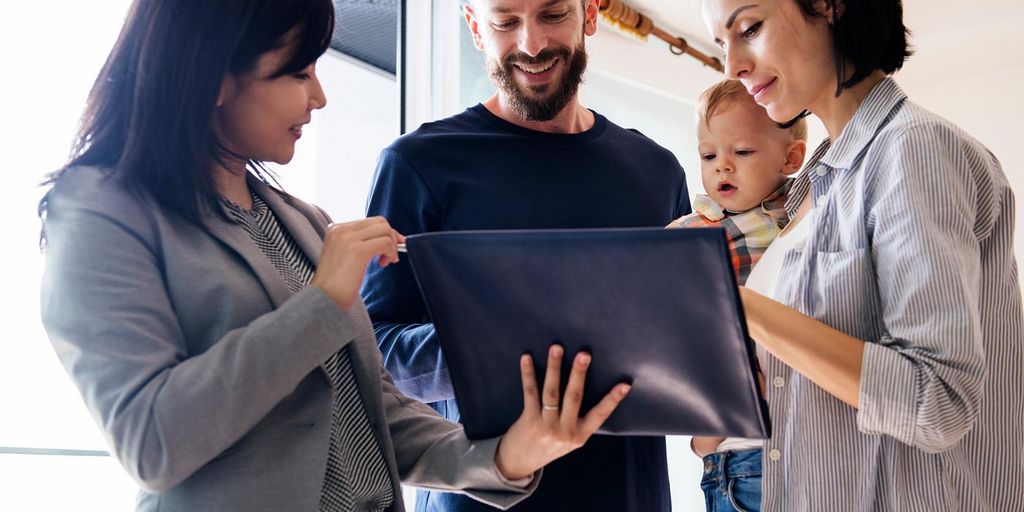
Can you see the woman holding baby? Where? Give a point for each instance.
(894, 331)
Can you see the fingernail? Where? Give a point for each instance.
(624, 389)
(584, 359)
(556, 350)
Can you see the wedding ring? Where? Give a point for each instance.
(550, 407)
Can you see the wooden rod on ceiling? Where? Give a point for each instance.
(630, 20)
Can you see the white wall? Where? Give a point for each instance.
(654, 75)
(50, 53)
(334, 162)
(988, 105)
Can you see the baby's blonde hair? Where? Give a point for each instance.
(717, 96)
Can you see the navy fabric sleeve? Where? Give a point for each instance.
(683, 207)
(406, 339)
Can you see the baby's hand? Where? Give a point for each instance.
(703, 445)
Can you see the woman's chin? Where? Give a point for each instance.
(783, 114)
(283, 158)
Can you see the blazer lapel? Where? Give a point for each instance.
(366, 366)
(298, 224)
(235, 237)
(307, 226)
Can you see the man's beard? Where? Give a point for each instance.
(543, 108)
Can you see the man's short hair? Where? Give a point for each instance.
(474, 3)
(718, 96)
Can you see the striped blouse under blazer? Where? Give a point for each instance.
(911, 251)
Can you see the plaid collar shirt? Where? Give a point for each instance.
(749, 233)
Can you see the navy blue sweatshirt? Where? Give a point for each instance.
(477, 171)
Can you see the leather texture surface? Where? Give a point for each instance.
(658, 308)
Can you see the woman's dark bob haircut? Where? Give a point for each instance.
(149, 116)
(866, 35)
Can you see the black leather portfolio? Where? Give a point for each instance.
(656, 307)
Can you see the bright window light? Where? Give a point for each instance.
(51, 52)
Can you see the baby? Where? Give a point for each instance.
(746, 161)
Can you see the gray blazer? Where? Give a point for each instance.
(203, 369)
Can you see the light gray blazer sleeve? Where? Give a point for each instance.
(106, 308)
(173, 395)
(434, 453)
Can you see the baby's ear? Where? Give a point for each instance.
(795, 153)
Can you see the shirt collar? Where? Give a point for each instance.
(707, 208)
(802, 183)
(236, 211)
(778, 198)
(874, 112)
(771, 205)
(878, 107)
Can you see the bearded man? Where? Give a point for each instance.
(530, 157)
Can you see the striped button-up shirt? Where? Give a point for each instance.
(910, 251)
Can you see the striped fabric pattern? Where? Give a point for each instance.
(911, 251)
(365, 485)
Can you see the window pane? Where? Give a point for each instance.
(56, 49)
(49, 482)
(475, 85)
(361, 119)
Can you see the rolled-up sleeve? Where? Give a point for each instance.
(921, 383)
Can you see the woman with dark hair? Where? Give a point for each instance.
(894, 330)
(212, 322)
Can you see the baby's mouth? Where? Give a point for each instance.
(726, 187)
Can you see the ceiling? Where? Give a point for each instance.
(949, 36)
(367, 30)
